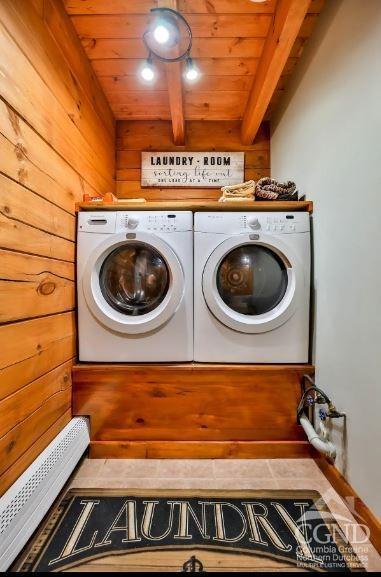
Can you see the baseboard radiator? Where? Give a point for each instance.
(27, 501)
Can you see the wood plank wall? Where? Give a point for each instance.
(57, 141)
(134, 136)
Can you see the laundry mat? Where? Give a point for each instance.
(189, 531)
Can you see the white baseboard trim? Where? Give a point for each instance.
(27, 501)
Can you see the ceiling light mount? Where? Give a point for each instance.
(168, 38)
(168, 30)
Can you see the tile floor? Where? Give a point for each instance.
(224, 474)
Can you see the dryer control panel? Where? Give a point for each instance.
(240, 222)
(148, 221)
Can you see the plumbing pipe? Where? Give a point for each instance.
(325, 447)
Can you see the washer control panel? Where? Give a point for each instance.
(162, 222)
(152, 222)
(133, 221)
(280, 224)
(264, 222)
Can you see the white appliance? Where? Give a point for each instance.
(135, 286)
(252, 287)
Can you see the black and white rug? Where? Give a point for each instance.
(191, 531)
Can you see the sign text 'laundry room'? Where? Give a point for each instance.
(192, 169)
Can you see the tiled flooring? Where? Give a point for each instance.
(223, 474)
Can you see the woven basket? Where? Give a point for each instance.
(238, 192)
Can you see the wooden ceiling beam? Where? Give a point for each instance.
(175, 89)
(288, 19)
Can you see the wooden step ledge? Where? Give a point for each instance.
(193, 366)
(191, 410)
(200, 450)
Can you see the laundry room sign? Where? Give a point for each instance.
(192, 169)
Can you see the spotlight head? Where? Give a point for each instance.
(147, 71)
(164, 31)
(161, 34)
(191, 71)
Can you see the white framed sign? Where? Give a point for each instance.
(192, 169)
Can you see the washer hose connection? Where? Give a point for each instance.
(311, 396)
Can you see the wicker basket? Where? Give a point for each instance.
(238, 192)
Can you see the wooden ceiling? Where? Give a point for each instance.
(245, 51)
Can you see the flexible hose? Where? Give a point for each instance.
(325, 447)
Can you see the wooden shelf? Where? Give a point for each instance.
(201, 205)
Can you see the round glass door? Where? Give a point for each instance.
(134, 279)
(252, 287)
(252, 279)
(133, 285)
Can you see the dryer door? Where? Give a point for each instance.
(252, 285)
(133, 283)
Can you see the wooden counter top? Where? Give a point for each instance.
(201, 205)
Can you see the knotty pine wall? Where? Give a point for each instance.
(135, 136)
(56, 141)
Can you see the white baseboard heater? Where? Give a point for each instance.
(27, 501)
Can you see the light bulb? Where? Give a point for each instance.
(191, 72)
(147, 72)
(164, 32)
(161, 34)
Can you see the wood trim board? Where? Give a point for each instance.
(201, 205)
(288, 20)
(200, 450)
(346, 492)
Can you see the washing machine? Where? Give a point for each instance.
(135, 286)
(252, 287)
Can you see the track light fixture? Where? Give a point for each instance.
(168, 38)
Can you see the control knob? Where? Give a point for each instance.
(254, 223)
(132, 222)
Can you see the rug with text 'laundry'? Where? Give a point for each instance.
(191, 531)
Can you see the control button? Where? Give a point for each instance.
(132, 222)
(254, 223)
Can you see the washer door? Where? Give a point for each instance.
(133, 283)
(252, 286)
